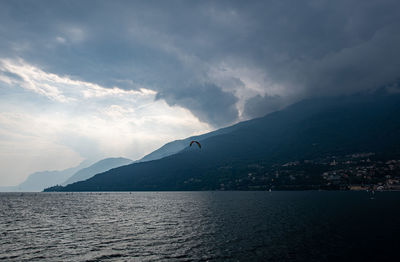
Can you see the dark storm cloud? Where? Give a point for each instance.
(258, 106)
(305, 47)
(207, 101)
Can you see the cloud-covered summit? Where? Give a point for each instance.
(211, 57)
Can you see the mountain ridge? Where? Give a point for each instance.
(38, 181)
(98, 167)
(310, 129)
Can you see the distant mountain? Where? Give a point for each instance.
(310, 129)
(8, 188)
(98, 167)
(40, 180)
(176, 146)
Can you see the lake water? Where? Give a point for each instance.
(200, 226)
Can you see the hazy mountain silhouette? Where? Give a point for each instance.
(8, 188)
(98, 167)
(39, 180)
(308, 129)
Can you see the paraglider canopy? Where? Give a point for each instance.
(196, 143)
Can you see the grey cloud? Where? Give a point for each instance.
(307, 47)
(370, 65)
(258, 106)
(208, 102)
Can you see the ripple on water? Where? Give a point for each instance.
(197, 226)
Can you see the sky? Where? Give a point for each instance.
(94, 79)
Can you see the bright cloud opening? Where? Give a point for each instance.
(62, 121)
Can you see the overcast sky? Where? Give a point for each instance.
(93, 79)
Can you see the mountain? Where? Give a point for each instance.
(312, 129)
(176, 146)
(98, 167)
(40, 180)
(44, 179)
(8, 188)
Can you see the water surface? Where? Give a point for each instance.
(199, 226)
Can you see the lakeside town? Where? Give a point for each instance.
(363, 172)
(358, 171)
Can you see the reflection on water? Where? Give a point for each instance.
(199, 226)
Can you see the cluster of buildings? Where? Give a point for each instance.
(360, 171)
(365, 174)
